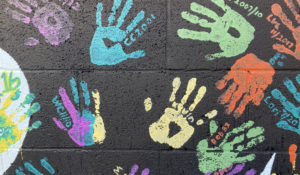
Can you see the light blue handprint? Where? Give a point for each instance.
(99, 52)
(289, 106)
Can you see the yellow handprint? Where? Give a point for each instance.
(160, 130)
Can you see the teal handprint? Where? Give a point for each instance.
(219, 29)
(99, 52)
(292, 123)
(227, 152)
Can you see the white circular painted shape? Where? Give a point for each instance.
(8, 64)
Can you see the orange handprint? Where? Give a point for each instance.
(277, 11)
(251, 76)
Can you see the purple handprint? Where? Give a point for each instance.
(51, 20)
(135, 168)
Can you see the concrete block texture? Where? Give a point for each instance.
(150, 87)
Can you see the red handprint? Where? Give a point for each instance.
(251, 76)
(277, 11)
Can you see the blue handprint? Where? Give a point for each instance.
(99, 52)
(289, 106)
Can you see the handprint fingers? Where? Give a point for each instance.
(99, 129)
(190, 88)
(136, 54)
(291, 88)
(221, 84)
(35, 125)
(139, 17)
(236, 96)
(68, 104)
(124, 12)
(258, 96)
(86, 94)
(226, 96)
(229, 145)
(254, 142)
(239, 129)
(59, 124)
(246, 158)
(99, 14)
(20, 5)
(146, 171)
(195, 19)
(292, 7)
(17, 16)
(74, 91)
(176, 84)
(96, 96)
(116, 5)
(277, 10)
(255, 134)
(195, 35)
(214, 56)
(213, 127)
(285, 103)
(281, 48)
(241, 108)
(198, 98)
(32, 110)
(298, 79)
(197, 8)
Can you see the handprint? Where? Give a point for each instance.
(277, 11)
(219, 29)
(99, 52)
(10, 122)
(87, 128)
(227, 153)
(160, 130)
(51, 20)
(29, 167)
(251, 76)
(135, 168)
(291, 124)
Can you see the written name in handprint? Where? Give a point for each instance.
(277, 34)
(251, 9)
(288, 122)
(284, 114)
(139, 31)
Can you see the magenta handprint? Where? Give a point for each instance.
(87, 128)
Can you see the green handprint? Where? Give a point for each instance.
(227, 153)
(219, 29)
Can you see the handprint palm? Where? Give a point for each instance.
(229, 44)
(251, 76)
(288, 105)
(160, 130)
(100, 53)
(277, 10)
(227, 153)
(51, 20)
(87, 128)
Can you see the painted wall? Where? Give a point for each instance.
(150, 87)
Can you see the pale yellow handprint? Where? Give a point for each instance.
(160, 130)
